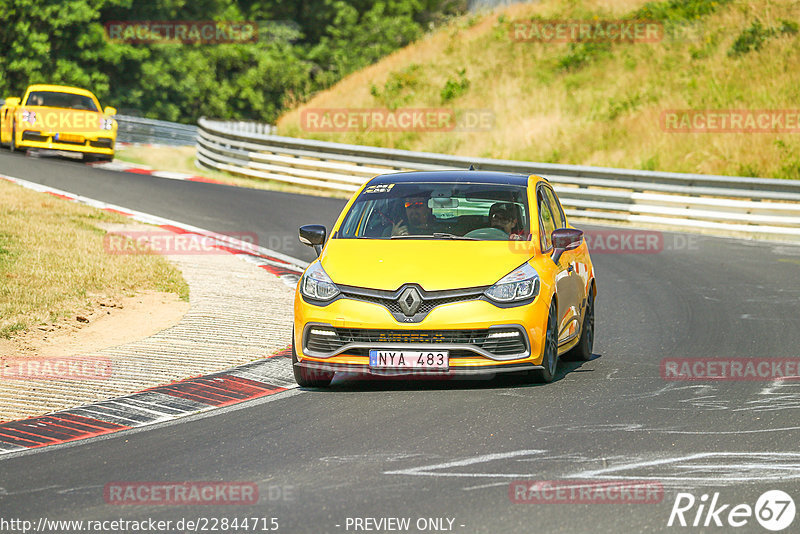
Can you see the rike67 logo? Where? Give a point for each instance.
(774, 510)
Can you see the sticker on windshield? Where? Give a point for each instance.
(382, 188)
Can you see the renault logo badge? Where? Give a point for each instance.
(409, 301)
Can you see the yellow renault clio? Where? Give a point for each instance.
(445, 273)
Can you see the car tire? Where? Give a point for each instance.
(310, 378)
(12, 146)
(550, 359)
(582, 352)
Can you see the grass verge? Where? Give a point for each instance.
(53, 262)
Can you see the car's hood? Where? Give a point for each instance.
(434, 264)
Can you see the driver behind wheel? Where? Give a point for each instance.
(419, 218)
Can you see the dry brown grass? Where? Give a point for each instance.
(603, 113)
(52, 261)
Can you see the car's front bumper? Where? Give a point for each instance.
(93, 143)
(453, 371)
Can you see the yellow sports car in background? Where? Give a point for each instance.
(58, 117)
(445, 273)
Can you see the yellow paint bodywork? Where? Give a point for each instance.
(435, 265)
(51, 121)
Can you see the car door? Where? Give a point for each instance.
(579, 257)
(569, 286)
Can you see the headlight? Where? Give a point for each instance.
(29, 116)
(106, 124)
(317, 285)
(520, 284)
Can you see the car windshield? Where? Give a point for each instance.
(54, 99)
(472, 211)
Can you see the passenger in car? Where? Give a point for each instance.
(504, 216)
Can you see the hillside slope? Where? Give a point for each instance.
(594, 103)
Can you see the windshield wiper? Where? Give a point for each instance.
(411, 236)
(435, 235)
(445, 235)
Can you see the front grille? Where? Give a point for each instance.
(68, 142)
(428, 299)
(365, 338)
(427, 305)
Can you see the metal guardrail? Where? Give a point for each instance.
(151, 131)
(754, 206)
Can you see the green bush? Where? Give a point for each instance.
(454, 88)
(678, 10)
(753, 38)
(399, 87)
(303, 48)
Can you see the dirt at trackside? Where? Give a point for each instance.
(105, 323)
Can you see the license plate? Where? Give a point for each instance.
(69, 138)
(409, 359)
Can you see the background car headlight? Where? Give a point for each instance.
(520, 284)
(317, 285)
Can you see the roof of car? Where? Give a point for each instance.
(460, 176)
(60, 89)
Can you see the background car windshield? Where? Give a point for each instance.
(478, 211)
(54, 99)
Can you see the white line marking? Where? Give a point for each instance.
(482, 486)
(155, 219)
(425, 470)
(785, 471)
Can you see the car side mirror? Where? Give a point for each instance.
(565, 239)
(108, 110)
(313, 235)
(11, 101)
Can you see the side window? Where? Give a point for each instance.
(555, 205)
(546, 221)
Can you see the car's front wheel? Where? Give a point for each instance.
(582, 352)
(310, 378)
(550, 358)
(13, 145)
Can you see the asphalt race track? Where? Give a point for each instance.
(450, 449)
